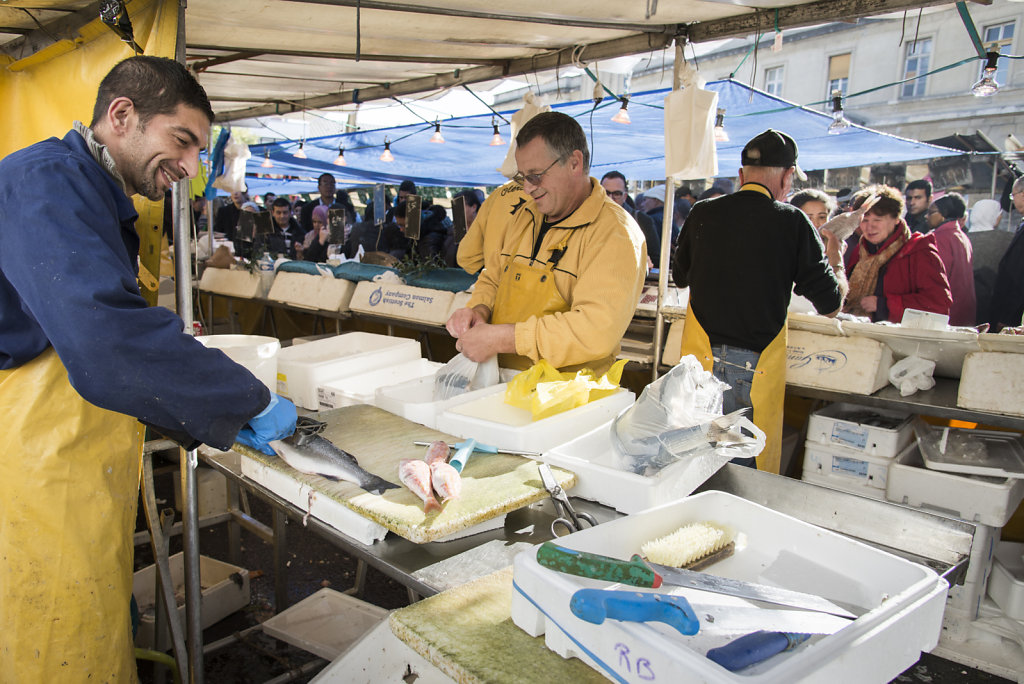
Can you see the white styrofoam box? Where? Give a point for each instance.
(994, 342)
(1006, 582)
(905, 600)
(985, 500)
(303, 368)
(402, 301)
(332, 512)
(592, 457)
(981, 643)
(321, 292)
(414, 400)
(968, 596)
(222, 595)
(851, 364)
(838, 425)
(258, 354)
(212, 490)
(814, 323)
(673, 345)
(946, 348)
(325, 623)
(993, 382)
(459, 301)
(379, 656)
(236, 283)
(362, 388)
(489, 420)
(846, 469)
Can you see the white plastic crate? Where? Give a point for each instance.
(905, 600)
(222, 595)
(985, 500)
(846, 469)
(362, 388)
(849, 425)
(1006, 582)
(414, 400)
(303, 368)
(947, 348)
(489, 420)
(591, 456)
(851, 364)
(325, 623)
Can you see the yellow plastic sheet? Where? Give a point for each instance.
(544, 391)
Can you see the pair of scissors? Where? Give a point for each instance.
(567, 517)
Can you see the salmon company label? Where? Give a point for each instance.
(375, 296)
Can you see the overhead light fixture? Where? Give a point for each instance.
(340, 159)
(839, 121)
(496, 139)
(386, 155)
(300, 153)
(437, 137)
(720, 134)
(267, 164)
(622, 116)
(987, 86)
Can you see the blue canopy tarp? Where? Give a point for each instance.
(637, 149)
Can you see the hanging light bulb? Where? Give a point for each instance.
(386, 155)
(839, 121)
(987, 86)
(340, 159)
(300, 153)
(267, 164)
(496, 139)
(622, 116)
(720, 134)
(437, 137)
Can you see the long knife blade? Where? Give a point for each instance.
(638, 573)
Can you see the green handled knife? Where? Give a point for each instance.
(638, 573)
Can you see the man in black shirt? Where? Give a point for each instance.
(741, 255)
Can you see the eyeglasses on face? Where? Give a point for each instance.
(534, 178)
(615, 193)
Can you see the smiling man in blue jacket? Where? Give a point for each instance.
(82, 359)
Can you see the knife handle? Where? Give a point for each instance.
(754, 648)
(633, 572)
(597, 605)
(462, 455)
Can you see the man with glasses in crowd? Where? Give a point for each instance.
(570, 268)
(614, 184)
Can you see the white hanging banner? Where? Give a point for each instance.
(532, 106)
(690, 129)
(236, 154)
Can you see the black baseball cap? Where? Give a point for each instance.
(772, 148)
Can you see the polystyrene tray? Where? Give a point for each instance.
(1005, 455)
(945, 347)
(811, 322)
(592, 457)
(874, 431)
(993, 342)
(905, 600)
(362, 388)
(325, 623)
(845, 469)
(414, 400)
(489, 420)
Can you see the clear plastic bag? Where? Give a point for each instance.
(912, 374)
(460, 375)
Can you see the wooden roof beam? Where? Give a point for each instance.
(365, 57)
(65, 28)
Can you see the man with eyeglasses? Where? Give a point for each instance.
(1008, 294)
(569, 269)
(614, 184)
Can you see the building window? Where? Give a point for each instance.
(999, 38)
(918, 56)
(773, 81)
(838, 75)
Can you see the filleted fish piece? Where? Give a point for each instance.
(415, 474)
(308, 452)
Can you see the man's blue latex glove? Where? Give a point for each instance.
(277, 421)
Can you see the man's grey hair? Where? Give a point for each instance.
(765, 174)
(1018, 185)
(562, 133)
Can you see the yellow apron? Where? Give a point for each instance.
(69, 475)
(525, 291)
(767, 389)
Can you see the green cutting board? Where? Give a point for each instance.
(467, 632)
(492, 484)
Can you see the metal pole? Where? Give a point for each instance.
(189, 491)
(666, 245)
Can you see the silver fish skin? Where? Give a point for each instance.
(318, 456)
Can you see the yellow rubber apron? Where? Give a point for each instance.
(525, 291)
(767, 389)
(69, 476)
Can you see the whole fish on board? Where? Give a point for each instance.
(415, 474)
(446, 480)
(843, 225)
(308, 452)
(437, 452)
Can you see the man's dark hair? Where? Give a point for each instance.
(407, 186)
(399, 211)
(562, 133)
(474, 197)
(155, 85)
(325, 175)
(951, 206)
(282, 202)
(922, 184)
(613, 175)
(267, 196)
(684, 191)
(806, 195)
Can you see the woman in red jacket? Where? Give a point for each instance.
(892, 269)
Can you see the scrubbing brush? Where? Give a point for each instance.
(692, 546)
